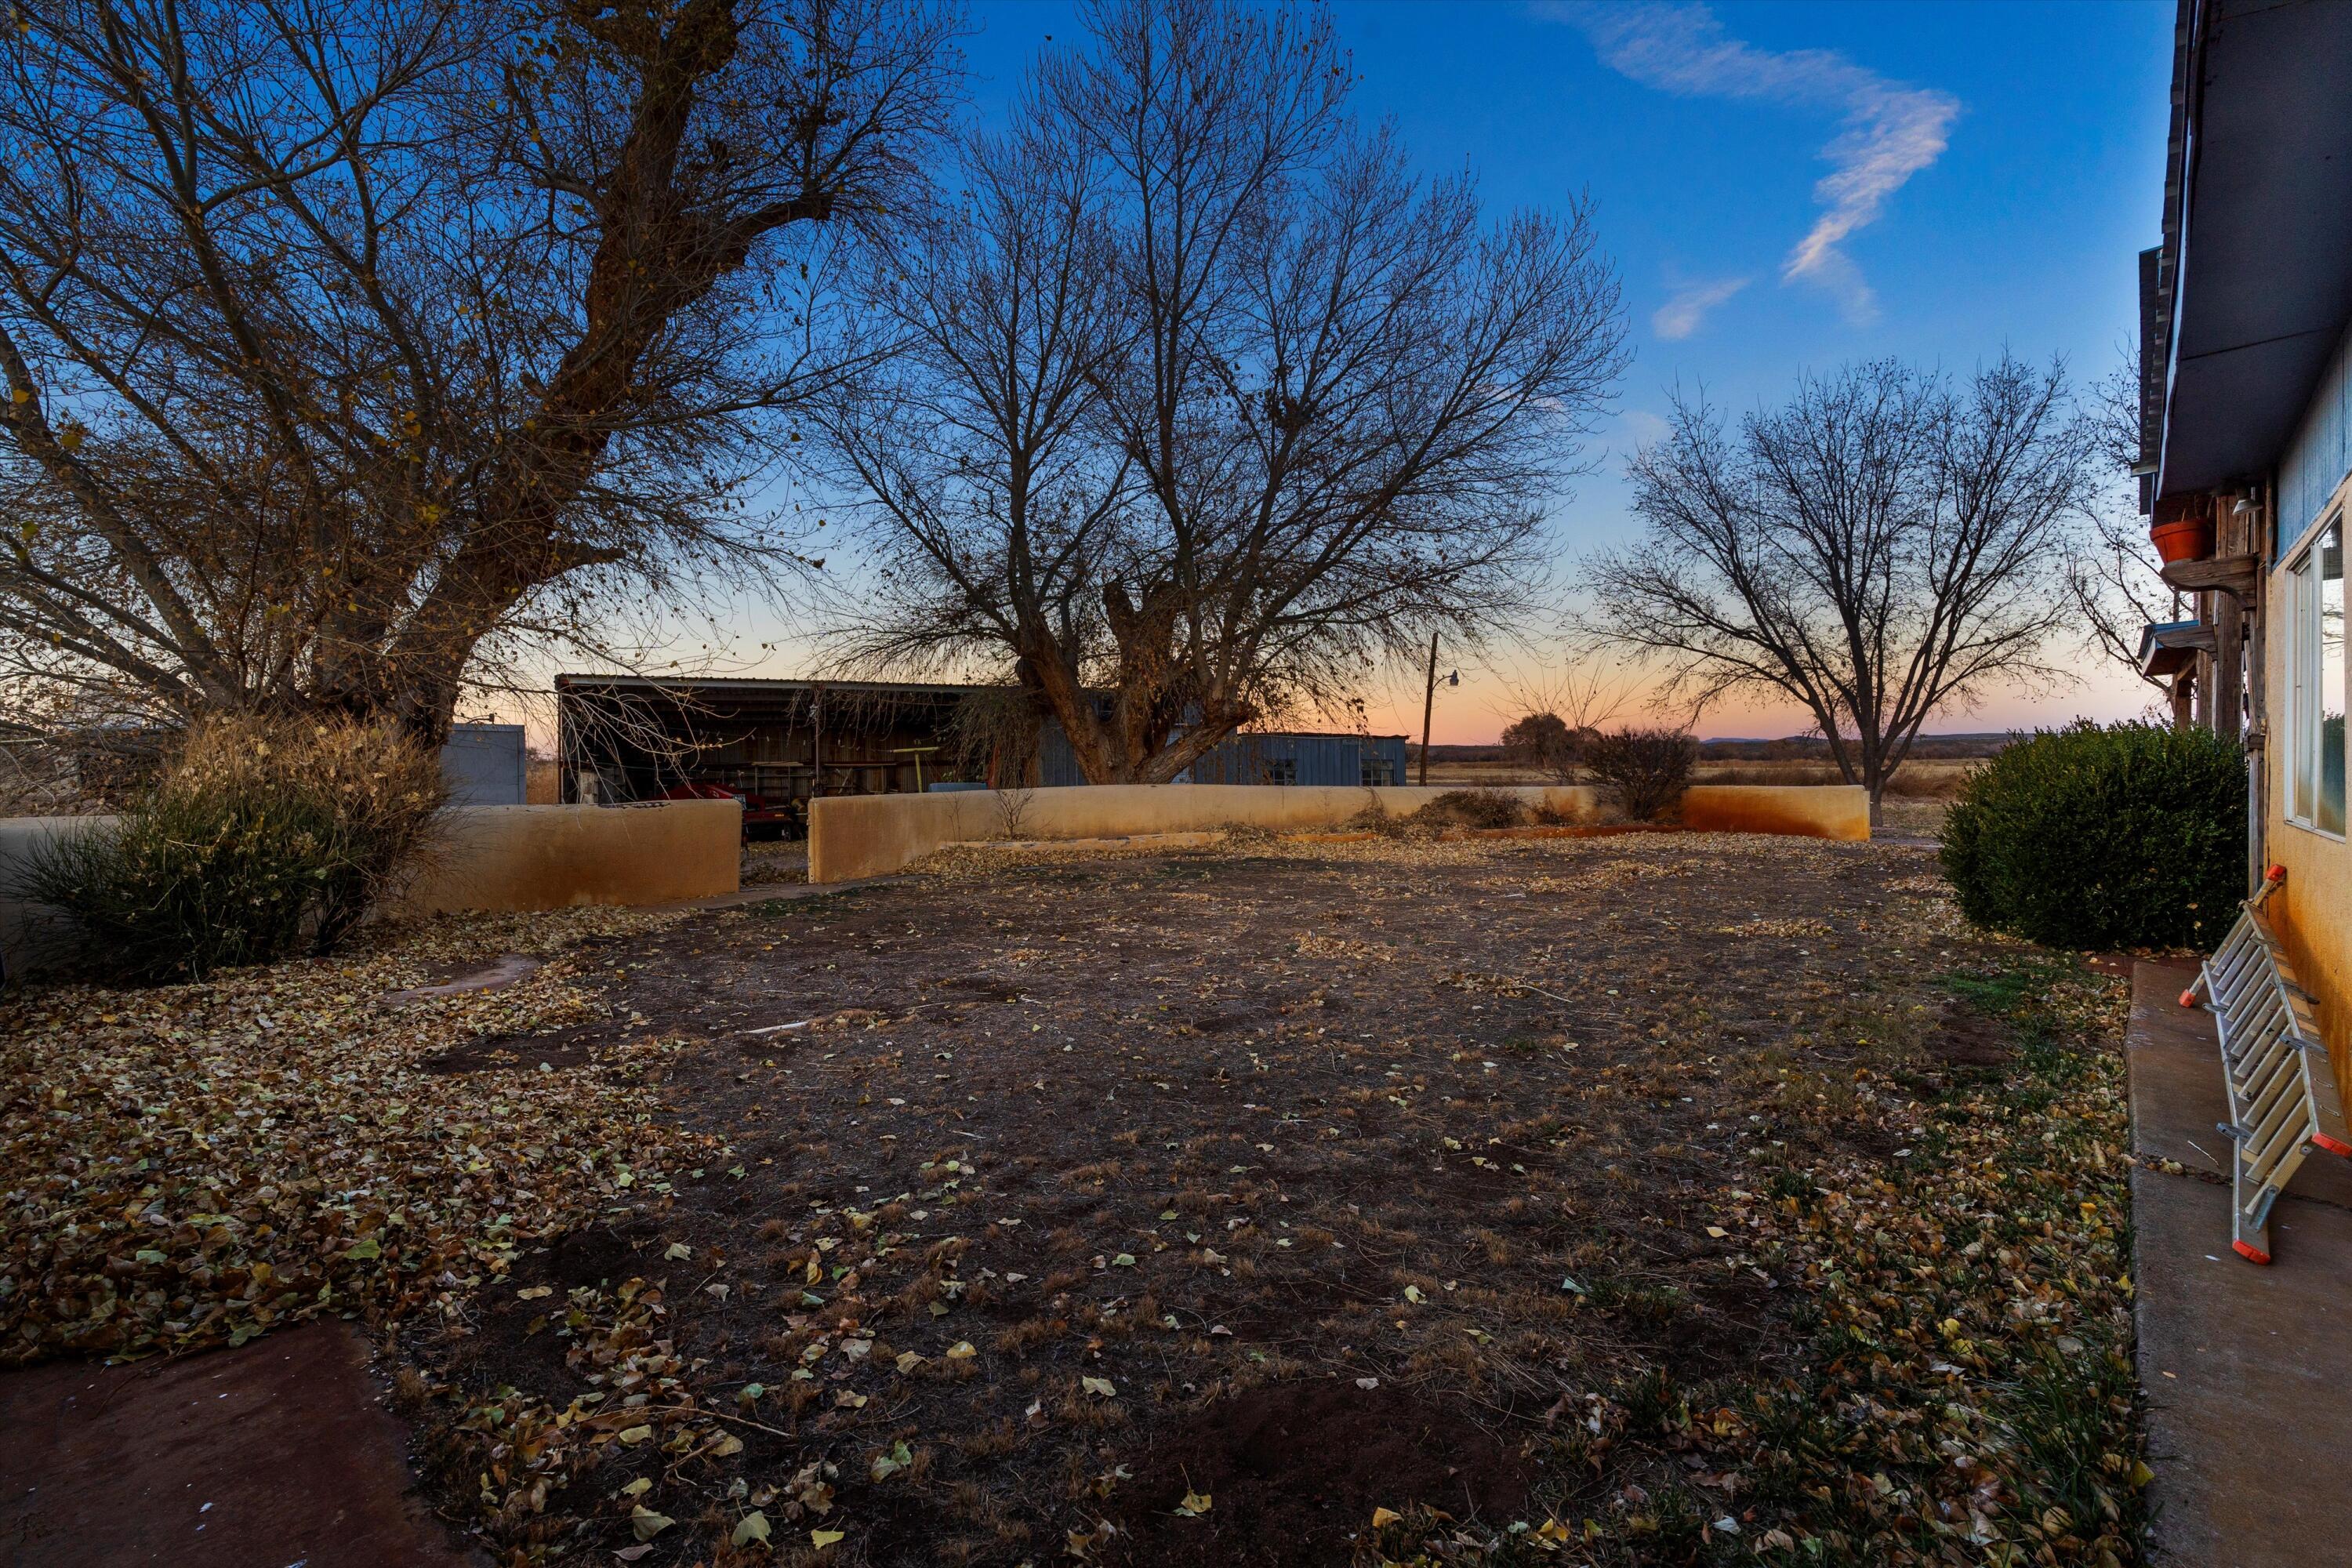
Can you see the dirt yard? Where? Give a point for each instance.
(1313, 1185)
(1660, 1198)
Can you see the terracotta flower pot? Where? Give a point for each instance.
(2185, 538)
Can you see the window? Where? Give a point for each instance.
(2316, 678)
(1375, 773)
(1279, 770)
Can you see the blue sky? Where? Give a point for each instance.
(1996, 167)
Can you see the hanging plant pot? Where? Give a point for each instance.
(2184, 539)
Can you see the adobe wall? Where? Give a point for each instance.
(509, 858)
(497, 858)
(852, 836)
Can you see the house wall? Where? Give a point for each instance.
(872, 836)
(2321, 453)
(2313, 912)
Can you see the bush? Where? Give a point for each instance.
(2132, 836)
(1473, 808)
(1644, 772)
(261, 839)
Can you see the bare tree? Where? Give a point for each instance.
(1883, 548)
(350, 344)
(1559, 714)
(2113, 574)
(1210, 404)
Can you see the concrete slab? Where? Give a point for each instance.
(278, 1452)
(2176, 1088)
(2244, 1366)
(776, 892)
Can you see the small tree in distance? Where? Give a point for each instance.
(1558, 715)
(1882, 547)
(1543, 741)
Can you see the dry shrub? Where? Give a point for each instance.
(261, 838)
(1374, 818)
(1921, 778)
(1644, 771)
(1933, 778)
(1771, 774)
(1473, 808)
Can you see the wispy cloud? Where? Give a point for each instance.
(1641, 428)
(1686, 309)
(1889, 130)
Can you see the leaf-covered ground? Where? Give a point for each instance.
(1652, 1199)
(189, 1165)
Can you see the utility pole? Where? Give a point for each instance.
(1428, 705)
(816, 741)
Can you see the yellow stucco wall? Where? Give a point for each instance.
(552, 856)
(2313, 912)
(872, 836)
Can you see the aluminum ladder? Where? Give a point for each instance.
(2282, 1100)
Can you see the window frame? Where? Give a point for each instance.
(2305, 677)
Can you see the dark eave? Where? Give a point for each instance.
(2169, 645)
(2258, 230)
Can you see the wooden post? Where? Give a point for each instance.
(1428, 705)
(2229, 666)
(2201, 692)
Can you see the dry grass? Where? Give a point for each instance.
(1926, 779)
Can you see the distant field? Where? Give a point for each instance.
(1928, 779)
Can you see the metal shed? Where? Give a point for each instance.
(1271, 758)
(485, 765)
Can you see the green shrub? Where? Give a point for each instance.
(2132, 836)
(1644, 772)
(261, 839)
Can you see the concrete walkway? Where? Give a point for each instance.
(275, 1453)
(2250, 1421)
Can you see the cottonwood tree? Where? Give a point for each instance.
(1884, 547)
(1206, 402)
(348, 344)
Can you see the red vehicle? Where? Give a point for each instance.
(761, 819)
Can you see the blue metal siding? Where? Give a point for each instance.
(1258, 758)
(1057, 765)
(2321, 453)
(484, 765)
